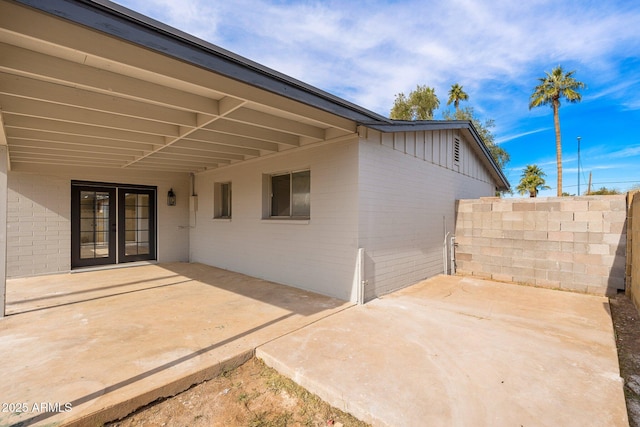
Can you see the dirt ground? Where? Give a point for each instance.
(252, 395)
(626, 322)
(255, 395)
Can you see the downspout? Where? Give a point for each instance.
(361, 281)
(444, 245)
(444, 254)
(193, 207)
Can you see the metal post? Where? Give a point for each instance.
(579, 138)
(361, 281)
(4, 160)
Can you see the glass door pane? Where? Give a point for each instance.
(136, 223)
(137, 229)
(93, 226)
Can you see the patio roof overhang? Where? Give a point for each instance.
(90, 83)
(86, 83)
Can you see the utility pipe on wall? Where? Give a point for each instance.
(453, 255)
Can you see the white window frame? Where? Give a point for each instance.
(268, 196)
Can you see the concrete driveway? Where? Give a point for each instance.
(453, 351)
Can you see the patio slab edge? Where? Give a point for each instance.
(125, 408)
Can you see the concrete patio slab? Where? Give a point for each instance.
(457, 351)
(81, 349)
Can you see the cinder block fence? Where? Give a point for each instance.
(573, 243)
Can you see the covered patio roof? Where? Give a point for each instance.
(90, 83)
(86, 83)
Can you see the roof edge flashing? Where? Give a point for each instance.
(108, 17)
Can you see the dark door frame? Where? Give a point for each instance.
(76, 259)
(122, 241)
(117, 239)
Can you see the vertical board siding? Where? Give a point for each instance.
(39, 216)
(419, 141)
(435, 147)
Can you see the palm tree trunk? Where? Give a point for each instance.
(556, 122)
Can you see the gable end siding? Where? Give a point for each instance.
(436, 147)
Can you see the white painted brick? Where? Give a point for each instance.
(416, 233)
(318, 256)
(38, 221)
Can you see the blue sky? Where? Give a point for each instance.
(368, 51)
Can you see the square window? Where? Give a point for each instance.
(222, 200)
(290, 195)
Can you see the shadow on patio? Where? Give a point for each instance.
(107, 342)
(40, 292)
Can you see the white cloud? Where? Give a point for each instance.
(368, 51)
(507, 138)
(198, 18)
(624, 153)
(376, 49)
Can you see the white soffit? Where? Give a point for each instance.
(70, 95)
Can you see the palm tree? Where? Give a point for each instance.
(556, 85)
(456, 94)
(532, 180)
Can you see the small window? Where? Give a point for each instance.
(222, 200)
(290, 195)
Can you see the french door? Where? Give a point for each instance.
(112, 223)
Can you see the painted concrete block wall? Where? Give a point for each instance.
(318, 255)
(407, 205)
(39, 215)
(573, 243)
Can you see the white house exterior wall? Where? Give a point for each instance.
(39, 215)
(408, 188)
(318, 255)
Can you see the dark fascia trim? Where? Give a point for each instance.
(428, 125)
(416, 125)
(125, 24)
(133, 27)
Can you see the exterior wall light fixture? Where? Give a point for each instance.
(171, 198)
